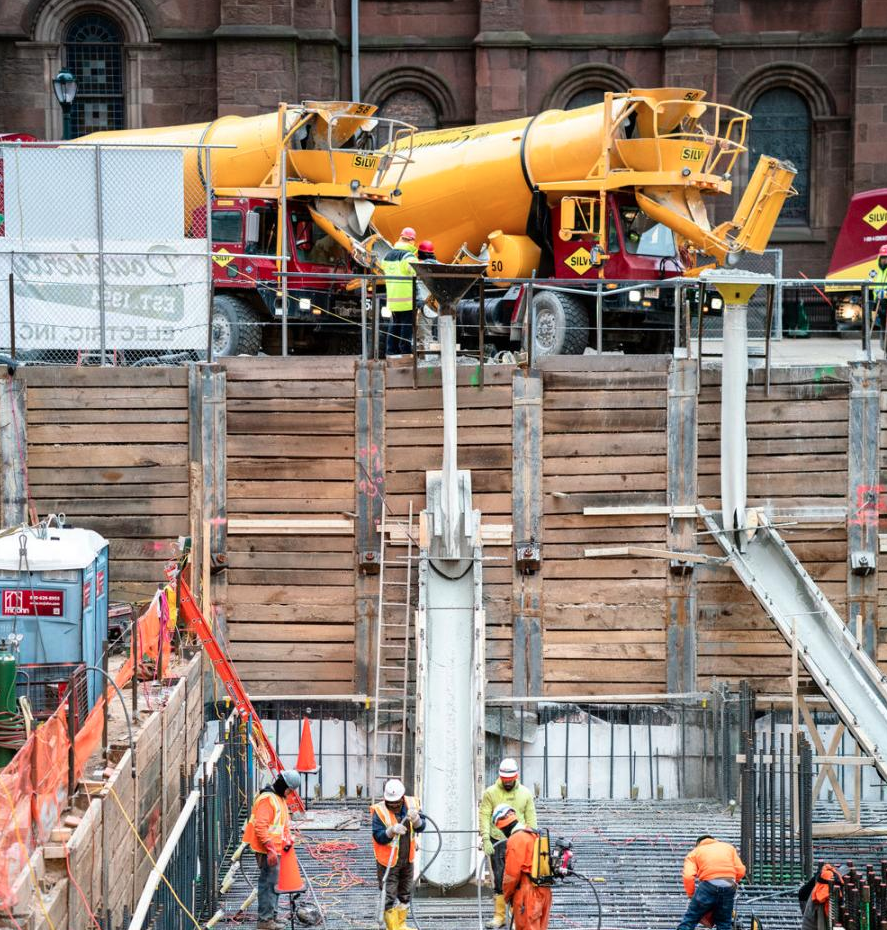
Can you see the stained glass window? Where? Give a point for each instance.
(94, 55)
(780, 127)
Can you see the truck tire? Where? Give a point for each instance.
(237, 329)
(561, 324)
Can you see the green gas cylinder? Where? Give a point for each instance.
(8, 703)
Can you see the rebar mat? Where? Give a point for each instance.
(633, 850)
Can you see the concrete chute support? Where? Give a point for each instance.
(833, 656)
(450, 626)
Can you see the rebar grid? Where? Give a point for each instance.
(633, 850)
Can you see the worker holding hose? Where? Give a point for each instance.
(396, 821)
(530, 902)
(268, 833)
(507, 790)
(711, 873)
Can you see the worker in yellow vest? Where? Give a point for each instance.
(268, 833)
(396, 821)
(397, 266)
(878, 277)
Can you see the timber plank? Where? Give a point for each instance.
(81, 477)
(302, 651)
(277, 390)
(246, 468)
(591, 651)
(286, 594)
(618, 444)
(295, 423)
(108, 456)
(291, 368)
(342, 561)
(403, 401)
(284, 632)
(603, 464)
(292, 446)
(110, 376)
(615, 481)
(267, 576)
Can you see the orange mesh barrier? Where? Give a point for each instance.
(33, 787)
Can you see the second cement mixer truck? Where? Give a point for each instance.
(614, 192)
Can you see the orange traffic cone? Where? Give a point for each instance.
(306, 761)
(289, 878)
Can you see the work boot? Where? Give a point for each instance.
(392, 919)
(498, 918)
(271, 924)
(402, 911)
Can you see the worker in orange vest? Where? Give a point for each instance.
(396, 821)
(530, 903)
(711, 873)
(268, 833)
(817, 891)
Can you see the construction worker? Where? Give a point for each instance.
(530, 903)
(878, 277)
(397, 266)
(268, 833)
(711, 872)
(507, 790)
(396, 821)
(427, 314)
(814, 898)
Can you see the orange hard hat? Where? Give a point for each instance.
(408, 233)
(503, 815)
(881, 251)
(426, 245)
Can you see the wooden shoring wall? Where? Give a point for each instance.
(605, 446)
(291, 453)
(414, 433)
(797, 458)
(108, 447)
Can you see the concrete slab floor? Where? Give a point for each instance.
(633, 850)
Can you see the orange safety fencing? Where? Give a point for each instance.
(33, 786)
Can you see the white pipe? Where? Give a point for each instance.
(449, 486)
(734, 445)
(153, 882)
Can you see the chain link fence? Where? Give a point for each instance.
(105, 253)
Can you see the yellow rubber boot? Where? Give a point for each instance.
(402, 910)
(392, 919)
(498, 918)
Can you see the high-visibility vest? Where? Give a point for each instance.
(277, 828)
(880, 284)
(397, 267)
(383, 851)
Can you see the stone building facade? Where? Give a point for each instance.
(813, 72)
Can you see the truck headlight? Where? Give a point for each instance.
(717, 303)
(850, 312)
(634, 296)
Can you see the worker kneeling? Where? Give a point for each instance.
(396, 821)
(530, 903)
(268, 833)
(711, 872)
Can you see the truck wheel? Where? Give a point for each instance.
(236, 327)
(561, 324)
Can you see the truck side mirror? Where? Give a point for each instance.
(252, 227)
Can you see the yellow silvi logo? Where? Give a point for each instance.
(222, 257)
(876, 217)
(579, 261)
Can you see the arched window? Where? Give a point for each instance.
(585, 98)
(780, 127)
(94, 55)
(411, 106)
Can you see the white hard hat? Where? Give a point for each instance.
(503, 815)
(394, 789)
(508, 769)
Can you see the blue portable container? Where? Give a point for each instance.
(54, 593)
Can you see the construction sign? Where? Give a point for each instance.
(580, 261)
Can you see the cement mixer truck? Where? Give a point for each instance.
(303, 183)
(614, 192)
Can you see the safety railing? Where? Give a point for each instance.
(183, 887)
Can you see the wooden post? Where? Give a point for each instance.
(526, 506)
(681, 491)
(207, 486)
(369, 490)
(863, 499)
(13, 450)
